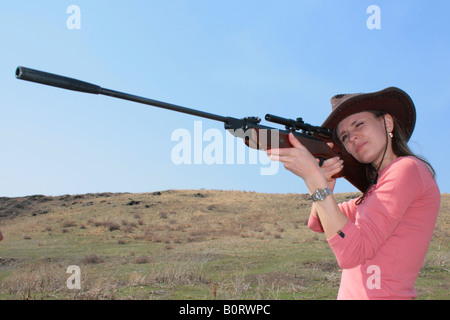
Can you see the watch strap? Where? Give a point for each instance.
(320, 194)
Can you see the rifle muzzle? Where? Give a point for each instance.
(55, 80)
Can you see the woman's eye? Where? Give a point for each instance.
(359, 124)
(343, 138)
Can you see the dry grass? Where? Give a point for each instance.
(200, 244)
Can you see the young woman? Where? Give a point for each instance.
(381, 239)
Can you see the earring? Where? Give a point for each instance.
(391, 134)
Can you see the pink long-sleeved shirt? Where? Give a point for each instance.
(387, 236)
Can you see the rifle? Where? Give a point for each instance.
(255, 135)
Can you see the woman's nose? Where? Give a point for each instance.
(352, 137)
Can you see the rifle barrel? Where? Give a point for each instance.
(161, 104)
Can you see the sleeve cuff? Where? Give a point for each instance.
(334, 240)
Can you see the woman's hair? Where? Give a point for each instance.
(400, 144)
(399, 147)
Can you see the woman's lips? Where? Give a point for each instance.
(359, 146)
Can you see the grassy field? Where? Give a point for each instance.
(193, 244)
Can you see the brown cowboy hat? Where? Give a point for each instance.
(391, 100)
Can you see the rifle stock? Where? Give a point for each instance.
(255, 135)
(354, 171)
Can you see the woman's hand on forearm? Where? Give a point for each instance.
(300, 162)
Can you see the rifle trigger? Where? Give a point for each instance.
(321, 161)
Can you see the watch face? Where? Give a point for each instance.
(321, 194)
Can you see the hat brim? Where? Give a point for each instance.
(391, 100)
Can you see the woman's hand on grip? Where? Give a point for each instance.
(330, 168)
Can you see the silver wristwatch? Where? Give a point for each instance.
(320, 194)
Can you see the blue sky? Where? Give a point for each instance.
(233, 58)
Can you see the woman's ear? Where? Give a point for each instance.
(389, 122)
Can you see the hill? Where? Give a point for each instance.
(185, 244)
